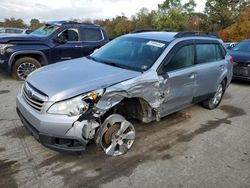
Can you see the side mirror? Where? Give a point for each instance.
(60, 39)
(163, 73)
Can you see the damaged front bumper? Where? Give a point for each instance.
(60, 134)
(58, 143)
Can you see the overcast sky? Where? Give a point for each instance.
(47, 10)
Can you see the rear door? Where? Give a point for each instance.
(180, 78)
(210, 65)
(92, 38)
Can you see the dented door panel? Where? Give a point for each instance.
(180, 86)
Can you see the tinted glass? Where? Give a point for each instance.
(242, 46)
(131, 53)
(92, 34)
(206, 53)
(18, 31)
(70, 35)
(45, 30)
(10, 31)
(219, 55)
(183, 58)
(209, 53)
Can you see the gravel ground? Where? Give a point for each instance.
(210, 149)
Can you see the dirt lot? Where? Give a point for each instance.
(210, 149)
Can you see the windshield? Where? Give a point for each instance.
(45, 30)
(2, 30)
(242, 46)
(130, 53)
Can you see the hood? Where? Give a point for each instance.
(240, 56)
(6, 38)
(74, 77)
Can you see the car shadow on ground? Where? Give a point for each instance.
(5, 76)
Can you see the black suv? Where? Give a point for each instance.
(53, 42)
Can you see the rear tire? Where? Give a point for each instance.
(214, 102)
(23, 67)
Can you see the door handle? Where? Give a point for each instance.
(192, 75)
(221, 67)
(78, 46)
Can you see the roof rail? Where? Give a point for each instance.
(195, 33)
(144, 30)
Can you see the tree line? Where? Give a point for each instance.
(230, 19)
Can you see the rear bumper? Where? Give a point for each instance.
(247, 78)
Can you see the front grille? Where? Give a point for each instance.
(32, 97)
(241, 69)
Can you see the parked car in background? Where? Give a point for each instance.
(144, 76)
(53, 42)
(241, 57)
(14, 31)
(230, 45)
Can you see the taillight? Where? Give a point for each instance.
(231, 60)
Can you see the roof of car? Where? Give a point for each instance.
(70, 23)
(170, 36)
(155, 35)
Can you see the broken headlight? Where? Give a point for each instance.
(77, 105)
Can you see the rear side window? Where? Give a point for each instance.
(92, 35)
(18, 31)
(208, 53)
(10, 31)
(13, 31)
(183, 58)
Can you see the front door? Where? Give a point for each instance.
(180, 80)
(71, 48)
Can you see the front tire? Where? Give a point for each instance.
(23, 67)
(214, 102)
(116, 136)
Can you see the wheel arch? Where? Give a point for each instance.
(39, 56)
(132, 108)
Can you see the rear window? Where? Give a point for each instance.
(242, 46)
(90, 34)
(13, 31)
(208, 53)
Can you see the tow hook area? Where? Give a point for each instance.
(116, 135)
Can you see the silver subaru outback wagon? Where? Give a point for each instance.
(144, 76)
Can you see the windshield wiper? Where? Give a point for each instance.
(105, 62)
(114, 64)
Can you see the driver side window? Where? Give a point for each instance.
(184, 57)
(70, 35)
